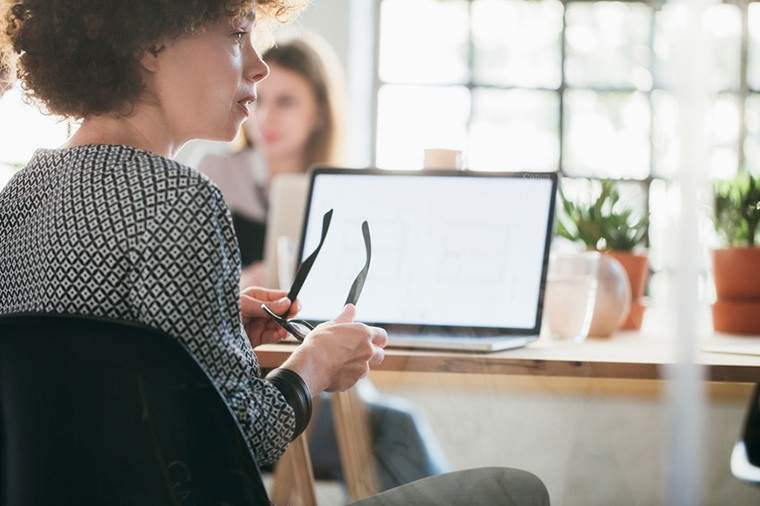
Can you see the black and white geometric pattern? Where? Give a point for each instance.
(118, 232)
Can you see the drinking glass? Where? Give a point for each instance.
(571, 295)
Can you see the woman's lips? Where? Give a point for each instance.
(270, 137)
(245, 104)
(244, 108)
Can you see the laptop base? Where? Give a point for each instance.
(477, 344)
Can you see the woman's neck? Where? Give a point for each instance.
(287, 164)
(144, 129)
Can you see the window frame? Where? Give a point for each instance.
(742, 94)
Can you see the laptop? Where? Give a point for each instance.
(459, 258)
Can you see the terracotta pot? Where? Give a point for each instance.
(613, 298)
(737, 273)
(737, 283)
(635, 316)
(737, 316)
(637, 268)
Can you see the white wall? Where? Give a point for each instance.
(331, 20)
(348, 26)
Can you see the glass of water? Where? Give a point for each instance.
(571, 295)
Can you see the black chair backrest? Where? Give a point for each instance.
(751, 432)
(110, 413)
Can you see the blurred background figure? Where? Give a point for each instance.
(297, 123)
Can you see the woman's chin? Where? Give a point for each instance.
(227, 134)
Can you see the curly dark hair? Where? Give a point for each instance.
(80, 57)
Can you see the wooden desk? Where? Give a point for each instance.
(627, 355)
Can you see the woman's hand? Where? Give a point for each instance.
(258, 326)
(336, 354)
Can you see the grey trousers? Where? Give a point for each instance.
(487, 486)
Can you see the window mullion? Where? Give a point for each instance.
(562, 88)
(470, 84)
(743, 85)
(376, 83)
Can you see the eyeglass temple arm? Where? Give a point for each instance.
(358, 285)
(303, 270)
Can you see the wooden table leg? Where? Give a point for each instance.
(293, 477)
(352, 430)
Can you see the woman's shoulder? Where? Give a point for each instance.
(168, 175)
(144, 183)
(90, 161)
(154, 179)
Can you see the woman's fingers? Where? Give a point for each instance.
(379, 337)
(377, 357)
(264, 294)
(250, 307)
(347, 315)
(342, 351)
(263, 332)
(273, 336)
(295, 308)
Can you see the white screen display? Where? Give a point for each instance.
(446, 250)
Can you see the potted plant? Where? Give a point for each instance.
(736, 267)
(607, 225)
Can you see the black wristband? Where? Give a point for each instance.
(296, 393)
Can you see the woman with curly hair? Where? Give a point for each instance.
(298, 123)
(110, 226)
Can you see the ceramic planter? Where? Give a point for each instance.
(737, 284)
(637, 268)
(613, 297)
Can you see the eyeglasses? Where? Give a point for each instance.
(300, 328)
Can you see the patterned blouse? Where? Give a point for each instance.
(117, 232)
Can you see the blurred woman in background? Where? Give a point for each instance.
(298, 122)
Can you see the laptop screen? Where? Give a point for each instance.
(448, 249)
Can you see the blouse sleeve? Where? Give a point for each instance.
(185, 282)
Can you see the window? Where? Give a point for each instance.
(579, 87)
(24, 129)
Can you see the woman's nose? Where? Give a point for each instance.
(255, 69)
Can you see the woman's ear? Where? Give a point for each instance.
(149, 58)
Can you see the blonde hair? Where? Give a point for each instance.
(7, 59)
(6, 75)
(312, 59)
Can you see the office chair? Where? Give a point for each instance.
(94, 411)
(745, 458)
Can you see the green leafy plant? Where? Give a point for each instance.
(737, 210)
(603, 224)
